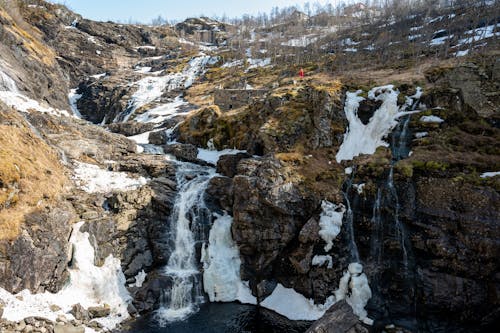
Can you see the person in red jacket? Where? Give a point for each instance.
(301, 73)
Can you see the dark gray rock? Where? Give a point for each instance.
(183, 152)
(338, 319)
(99, 311)
(130, 128)
(158, 138)
(38, 257)
(227, 164)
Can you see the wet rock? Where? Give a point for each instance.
(158, 138)
(130, 128)
(338, 319)
(310, 232)
(220, 193)
(227, 164)
(147, 298)
(183, 152)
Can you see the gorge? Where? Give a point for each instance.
(363, 197)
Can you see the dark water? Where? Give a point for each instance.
(222, 318)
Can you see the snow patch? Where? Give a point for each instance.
(490, 174)
(294, 306)
(330, 222)
(321, 260)
(93, 179)
(212, 156)
(431, 119)
(89, 285)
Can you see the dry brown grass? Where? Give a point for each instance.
(30, 173)
(29, 37)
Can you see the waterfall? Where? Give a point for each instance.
(7, 84)
(187, 220)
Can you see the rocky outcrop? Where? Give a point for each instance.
(338, 319)
(313, 118)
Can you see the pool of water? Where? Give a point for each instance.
(222, 318)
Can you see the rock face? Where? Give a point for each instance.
(338, 319)
(306, 120)
(37, 259)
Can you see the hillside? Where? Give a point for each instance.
(149, 174)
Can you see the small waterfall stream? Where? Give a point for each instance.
(187, 220)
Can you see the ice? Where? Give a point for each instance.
(479, 34)
(99, 76)
(354, 288)
(490, 174)
(141, 139)
(163, 112)
(255, 63)
(301, 41)
(321, 260)
(26, 104)
(212, 156)
(151, 88)
(364, 139)
(431, 119)
(330, 222)
(234, 63)
(221, 263)
(440, 40)
(88, 285)
(139, 279)
(348, 171)
(73, 99)
(294, 306)
(420, 135)
(359, 188)
(461, 53)
(351, 49)
(93, 179)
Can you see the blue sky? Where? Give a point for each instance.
(146, 10)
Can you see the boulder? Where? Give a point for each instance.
(227, 164)
(99, 311)
(130, 128)
(68, 328)
(338, 319)
(183, 152)
(79, 312)
(158, 138)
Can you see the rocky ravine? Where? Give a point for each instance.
(425, 226)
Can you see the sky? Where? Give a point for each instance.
(146, 10)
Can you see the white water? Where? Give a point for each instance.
(151, 88)
(189, 213)
(7, 83)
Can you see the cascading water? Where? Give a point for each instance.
(349, 220)
(187, 220)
